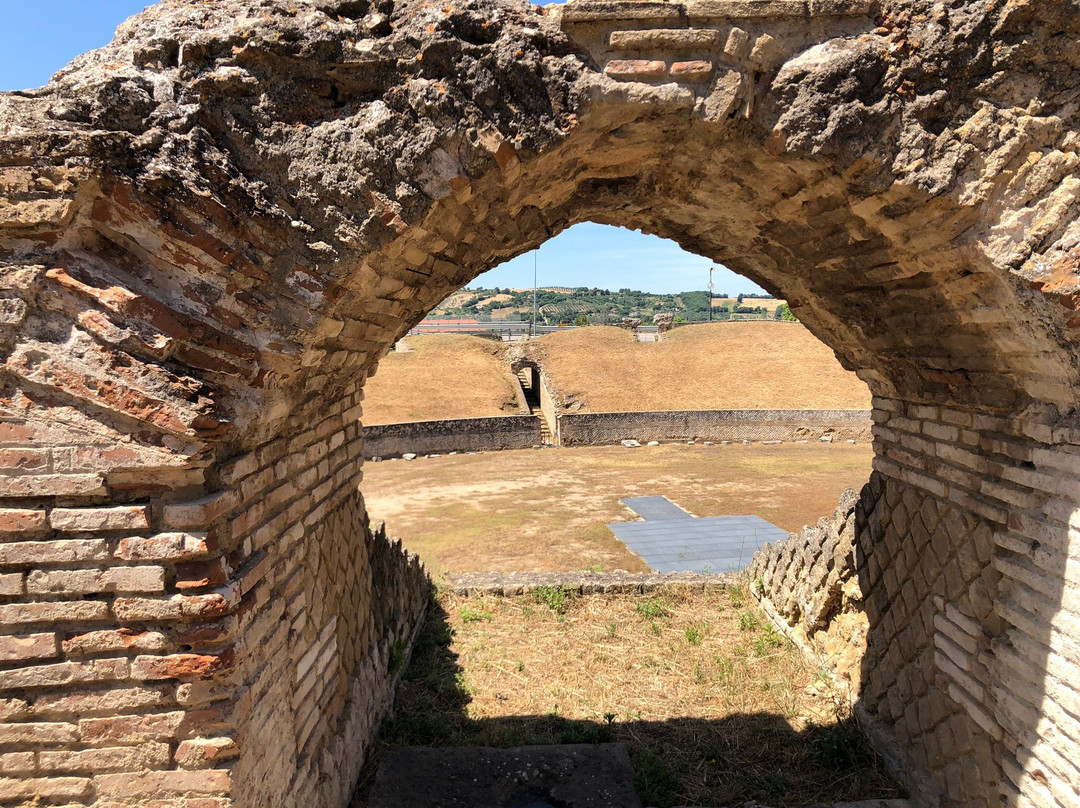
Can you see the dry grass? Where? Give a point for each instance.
(544, 510)
(443, 376)
(741, 365)
(717, 708)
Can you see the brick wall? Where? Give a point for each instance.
(233, 646)
(953, 570)
(193, 288)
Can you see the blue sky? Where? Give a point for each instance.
(38, 37)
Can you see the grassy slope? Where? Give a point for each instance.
(751, 365)
(444, 376)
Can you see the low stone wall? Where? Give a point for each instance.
(816, 586)
(452, 435)
(585, 583)
(601, 428)
(809, 584)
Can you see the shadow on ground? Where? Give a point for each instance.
(741, 758)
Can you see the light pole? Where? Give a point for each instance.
(534, 293)
(710, 292)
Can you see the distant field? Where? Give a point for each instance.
(767, 303)
(443, 376)
(750, 365)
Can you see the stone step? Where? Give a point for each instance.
(566, 775)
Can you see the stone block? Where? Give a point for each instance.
(131, 729)
(669, 39)
(636, 69)
(62, 551)
(79, 582)
(154, 784)
(17, 763)
(696, 70)
(72, 611)
(64, 673)
(46, 788)
(200, 513)
(85, 520)
(12, 584)
(165, 547)
(112, 640)
(38, 733)
(107, 759)
(14, 521)
(52, 485)
(205, 753)
(180, 666)
(16, 647)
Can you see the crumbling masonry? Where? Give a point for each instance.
(212, 229)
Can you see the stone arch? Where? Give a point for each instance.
(213, 229)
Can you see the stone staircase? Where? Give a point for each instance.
(532, 398)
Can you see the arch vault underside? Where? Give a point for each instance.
(212, 230)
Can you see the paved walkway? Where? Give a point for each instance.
(672, 540)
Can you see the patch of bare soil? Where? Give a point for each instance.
(547, 510)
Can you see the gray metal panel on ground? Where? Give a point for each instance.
(655, 509)
(705, 545)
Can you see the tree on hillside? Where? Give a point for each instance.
(783, 312)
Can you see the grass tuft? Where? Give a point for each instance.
(556, 598)
(653, 608)
(470, 615)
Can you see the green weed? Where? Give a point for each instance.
(556, 598)
(653, 608)
(694, 635)
(470, 615)
(748, 621)
(768, 641)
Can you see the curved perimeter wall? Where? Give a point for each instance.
(452, 435)
(599, 428)
(603, 428)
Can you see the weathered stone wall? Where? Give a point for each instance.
(212, 229)
(452, 435)
(603, 428)
(810, 583)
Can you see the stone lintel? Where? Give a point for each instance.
(677, 39)
(612, 10)
(585, 11)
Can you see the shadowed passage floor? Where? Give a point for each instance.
(672, 540)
